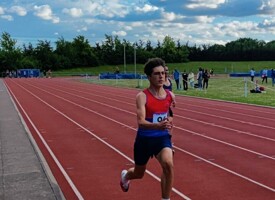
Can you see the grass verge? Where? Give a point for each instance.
(222, 88)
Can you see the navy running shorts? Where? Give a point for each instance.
(146, 147)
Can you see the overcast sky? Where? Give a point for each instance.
(193, 21)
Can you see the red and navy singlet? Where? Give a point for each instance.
(156, 111)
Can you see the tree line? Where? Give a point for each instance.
(113, 51)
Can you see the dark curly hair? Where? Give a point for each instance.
(151, 64)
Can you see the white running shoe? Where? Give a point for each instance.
(124, 183)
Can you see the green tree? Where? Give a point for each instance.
(216, 52)
(64, 54)
(144, 51)
(149, 46)
(158, 51)
(83, 55)
(107, 49)
(29, 60)
(169, 49)
(45, 56)
(112, 50)
(269, 51)
(10, 54)
(182, 53)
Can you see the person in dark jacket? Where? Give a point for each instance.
(205, 77)
(185, 80)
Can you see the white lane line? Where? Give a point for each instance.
(101, 140)
(231, 119)
(226, 143)
(231, 112)
(225, 169)
(224, 103)
(227, 128)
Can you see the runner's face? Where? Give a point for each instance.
(158, 75)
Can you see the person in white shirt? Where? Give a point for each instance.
(264, 76)
(191, 79)
(252, 74)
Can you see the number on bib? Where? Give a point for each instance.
(158, 117)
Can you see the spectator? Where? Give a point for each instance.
(49, 73)
(177, 78)
(252, 74)
(167, 82)
(185, 80)
(273, 76)
(167, 85)
(117, 71)
(257, 88)
(199, 78)
(264, 76)
(205, 77)
(191, 79)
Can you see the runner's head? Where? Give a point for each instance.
(151, 64)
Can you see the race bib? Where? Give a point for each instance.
(158, 117)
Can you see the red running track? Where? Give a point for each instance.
(224, 151)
